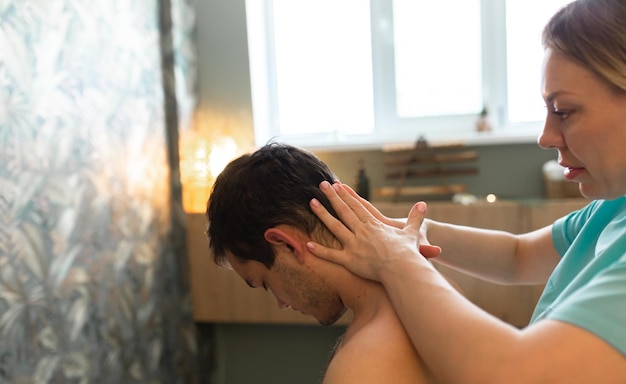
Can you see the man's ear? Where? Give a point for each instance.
(286, 237)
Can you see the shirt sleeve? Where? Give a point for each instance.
(599, 307)
(566, 228)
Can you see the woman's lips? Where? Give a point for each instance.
(571, 173)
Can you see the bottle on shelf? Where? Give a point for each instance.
(362, 182)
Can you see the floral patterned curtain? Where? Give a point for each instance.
(92, 279)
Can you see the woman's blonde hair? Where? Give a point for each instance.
(592, 33)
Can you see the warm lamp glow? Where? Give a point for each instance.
(201, 160)
(223, 150)
(213, 139)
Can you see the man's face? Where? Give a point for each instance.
(295, 285)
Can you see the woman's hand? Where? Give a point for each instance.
(426, 249)
(369, 244)
(398, 223)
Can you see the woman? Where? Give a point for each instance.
(578, 331)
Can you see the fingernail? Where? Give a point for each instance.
(315, 202)
(324, 184)
(421, 207)
(310, 245)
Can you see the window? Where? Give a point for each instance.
(362, 73)
(419, 91)
(524, 55)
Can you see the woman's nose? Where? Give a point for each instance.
(550, 137)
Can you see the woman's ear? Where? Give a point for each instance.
(286, 237)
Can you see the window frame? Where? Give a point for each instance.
(390, 130)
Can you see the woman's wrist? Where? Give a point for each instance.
(408, 264)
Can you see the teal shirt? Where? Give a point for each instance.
(588, 286)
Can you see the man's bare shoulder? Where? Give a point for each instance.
(379, 352)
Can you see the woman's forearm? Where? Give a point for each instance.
(497, 256)
(487, 254)
(458, 341)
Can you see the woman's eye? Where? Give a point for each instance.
(561, 114)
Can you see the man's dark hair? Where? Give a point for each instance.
(261, 190)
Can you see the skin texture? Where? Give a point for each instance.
(293, 282)
(375, 347)
(460, 343)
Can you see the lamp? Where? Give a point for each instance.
(213, 138)
(201, 160)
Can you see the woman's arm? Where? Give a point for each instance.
(459, 342)
(496, 256)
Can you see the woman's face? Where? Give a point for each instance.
(586, 124)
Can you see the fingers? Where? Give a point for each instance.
(335, 226)
(367, 243)
(329, 254)
(429, 251)
(413, 224)
(349, 209)
(352, 192)
(369, 206)
(416, 217)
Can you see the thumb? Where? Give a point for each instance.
(413, 224)
(429, 251)
(416, 217)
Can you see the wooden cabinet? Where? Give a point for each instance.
(220, 295)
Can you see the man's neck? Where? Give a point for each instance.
(368, 302)
(365, 298)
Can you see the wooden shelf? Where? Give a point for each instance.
(420, 191)
(430, 158)
(407, 165)
(431, 172)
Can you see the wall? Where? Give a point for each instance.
(510, 171)
(273, 353)
(92, 269)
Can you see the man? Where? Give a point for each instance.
(259, 224)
